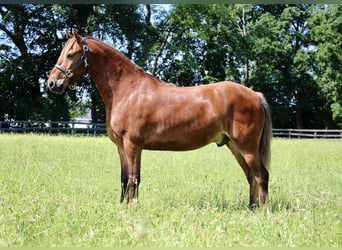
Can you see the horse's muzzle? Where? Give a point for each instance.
(56, 86)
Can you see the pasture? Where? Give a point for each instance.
(64, 191)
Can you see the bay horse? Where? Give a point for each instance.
(143, 112)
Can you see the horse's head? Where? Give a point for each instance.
(71, 64)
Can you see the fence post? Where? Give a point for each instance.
(72, 127)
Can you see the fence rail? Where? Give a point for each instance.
(308, 133)
(94, 129)
(54, 127)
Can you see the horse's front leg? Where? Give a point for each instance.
(124, 173)
(133, 156)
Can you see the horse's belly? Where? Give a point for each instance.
(173, 146)
(183, 140)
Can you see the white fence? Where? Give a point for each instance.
(308, 133)
(94, 129)
(54, 127)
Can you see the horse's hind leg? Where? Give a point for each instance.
(240, 159)
(256, 174)
(253, 191)
(259, 180)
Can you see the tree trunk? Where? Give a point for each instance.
(299, 111)
(162, 46)
(244, 34)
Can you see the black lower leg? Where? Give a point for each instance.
(133, 186)
(264, 186)
(253, 192)
(124, 183)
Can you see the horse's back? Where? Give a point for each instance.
(234, 100)
(179, 118)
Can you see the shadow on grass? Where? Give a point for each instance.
(221, 203)
(278, 202)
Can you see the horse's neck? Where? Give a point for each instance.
(105, 56)
(108, 67)
(111, 71)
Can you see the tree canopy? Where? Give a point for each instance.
(290, 52)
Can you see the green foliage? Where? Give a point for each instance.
(327, 33)
(23, 67)
(64, 191)
(284, 66)
(206, 43)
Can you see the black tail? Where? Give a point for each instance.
(265, 142)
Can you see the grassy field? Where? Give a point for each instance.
(64, 191)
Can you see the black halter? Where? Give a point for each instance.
(70, 72)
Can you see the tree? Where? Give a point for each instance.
(326, 26)
(202, 45)
(283, 64)
(26, 50)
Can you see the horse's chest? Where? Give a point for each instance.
(113, 136)
(114, 132)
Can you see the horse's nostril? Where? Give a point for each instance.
(51, 84)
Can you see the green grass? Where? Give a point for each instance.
(64, 191)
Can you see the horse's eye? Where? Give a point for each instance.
(70, 55)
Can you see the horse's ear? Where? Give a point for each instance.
(70, 34)
(78, 38)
